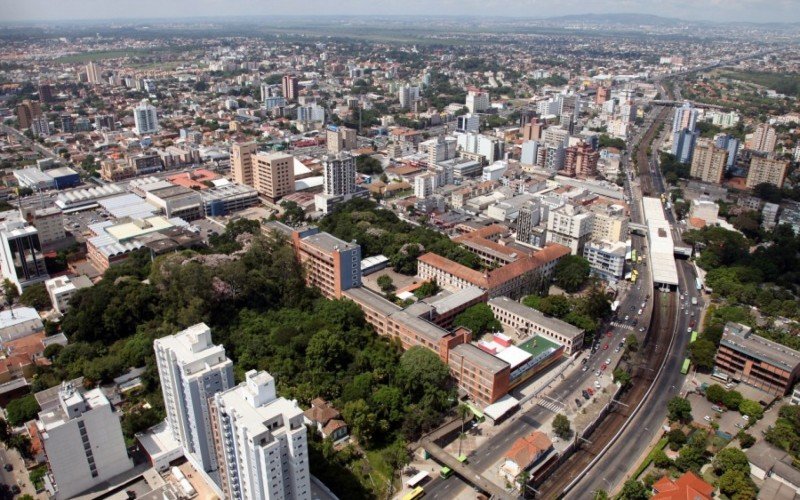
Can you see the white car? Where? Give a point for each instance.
(597, 384)
(745, 418)
(608, 361)
(707, 418)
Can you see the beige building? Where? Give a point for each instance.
(242, 162)
(50, 224)
(766, 170)
(764, 139)
(610, 223)
(341, 139)
(273, 174)
(708, 162)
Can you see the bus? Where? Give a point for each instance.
(685, 367)
(694, 337)
(417, 480)
(417, 492)
(445, 472)
(633, 277)
(698, 284)
(633, 255)
(462, 458)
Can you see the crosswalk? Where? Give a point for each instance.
(551, 405)
(625, 326)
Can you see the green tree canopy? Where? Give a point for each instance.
(679, 410)
(21, 410)
(479, 319)
(571, 272)
(561, 426)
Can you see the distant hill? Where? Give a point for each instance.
(634, 19)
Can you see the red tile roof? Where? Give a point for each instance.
(526, 450)
(686, 487)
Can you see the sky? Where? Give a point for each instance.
(715, 10)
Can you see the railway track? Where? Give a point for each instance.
(642, 160)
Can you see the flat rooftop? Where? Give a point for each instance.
(538, 345)
(328, 242)
(479, 357)
(534, 316)
(740, 338)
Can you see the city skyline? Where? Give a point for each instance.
(707, 10)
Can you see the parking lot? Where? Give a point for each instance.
(730, 421)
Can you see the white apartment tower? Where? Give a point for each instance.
(145, 118)
(93, 73)
(192, 369)
(477, 101)
(261, 442)
(339, 174)
(83, 441)
(570, 226)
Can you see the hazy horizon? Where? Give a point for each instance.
(99, 10)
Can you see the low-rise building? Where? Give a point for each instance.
(326, 419)
(62, 288)
(525, 454)
(531, 322)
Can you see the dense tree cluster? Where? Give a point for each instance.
(785, 434)
(584, 311)
(572, 272)
(382, 232)
(479, 319)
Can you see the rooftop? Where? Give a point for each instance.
(526, 450)
(740, 338)
(328, 243)
(479, 357)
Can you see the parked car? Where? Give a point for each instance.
(603, 367)
(585, 394)
(605, 347)
(578, 402)
(590, 391)
(707, 418)
(597, 384)
(608, 361)
(717, 408)
(8, 467)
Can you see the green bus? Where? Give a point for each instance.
(462, 458)
(694, 337)
(445, 472)
(686, 365)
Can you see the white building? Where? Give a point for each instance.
(50, 224)
(570, 226)
(192, 369)
(490, 147)
(261, 442)
(83, 441)
(706, 210)
(424, 185)
(530, 151)
(145, 118)
(495, 171)
(21, 259)
(311, 113)
(62, 288)
(407, 95)
(607, 260)
(477, 101)
(468, 123)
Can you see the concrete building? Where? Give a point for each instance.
(529, 153)
(570, 226)
(192, 369)
(607, 260)
(242, 162)
(468, 123)
(145, 118)
(273, 175)
(485, 377)
(49, 222)
(477, 101)
(332, 265)
(610, 223)
(93, 73)
(340, 139)
(764, 139)
(581, 161)
(27, 112)
(62, 288)
(260, 441)
(766, 170)
(83, 441)
(21, 258)
(528, 218)
(407, 95)
(529, 322)
(685, 118)
(525, 455)
(491, 148)
(339, 182)
(705, 210)
(683, 142)
(756, 361)
(291, 88)
(708, 162)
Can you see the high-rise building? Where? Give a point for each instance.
(441, 149)
(468, 123)
(27, 111)
(570, 226)
(533, 130)
(764, 139)
(729, 143)
(192, 369)
(683, 144)
(83, 441)
(21, 258)
(490, 147)
(685, 118)
(40, 127)
(145, 118)
(339, 174)
(291, 88)
(477, 101)
(766, 170)
(407, 95)
(529, 216)
(340, 139)
(46, 93)
(708, 162)
(273, 174)
(530, 150)
(603, 94)
(93, 73)
(261, 442)
(581, 161)
(242, 162)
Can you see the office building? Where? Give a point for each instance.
(477, 101)
(145, 118)
(683, 144)
(40, 127)
(311, 113)
(529, 154)
(49, 222)
(62, 288)
(570, 226)
(745, 357)
(339, 174)
(468, 123)
(528, 321)
(766, 170)
(260, 441)
(46, 93)
(764, 139)
(528, 218)
(27, 112)
(610, 223)
(192, 369)
(83, 441)
(407, 95)
(685, 118)
(340, 139)
(708, 162)
(273, 175)
(441, 149)
(21, 258)
(242, 162)
(332, 265)
(93, 73)
(291, 88)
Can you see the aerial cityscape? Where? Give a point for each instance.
(363, 250)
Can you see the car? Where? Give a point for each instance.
(603, 367)
(584, 368)
(605, 347)
(585, 394)
(717, 408)
(608, 361)
(640, 312)
(691, 324)
(746, 418)
(590, 391)
(627, 317)
(578, 402)
(15, 490)
(642, 329)
(609, 333)
(692, 313)
(738, 425)
(644, 304)
(689, 330)
(584, 361)
(686, 312)
(635, 322)
(8, 467)
(707, 418)
(618, 349)
(597, 373)
(597, 384)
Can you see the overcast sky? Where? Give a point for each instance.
(719, 10)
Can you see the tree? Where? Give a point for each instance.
(10, 290)
(426, 289)
(386, 283)
(631, 342)
(600, 495)
(463, 412)
(21, 410)
(745, 439)
(52, 351)
(633, 490)
(691, 457)
(327, 352)
(571, 272)
(36, 296)
(732, 399)
(715, 393)
(561, 426)
(676, 439)
(737, 485)
(751, 408)
(622, 377)
(293, 214)
(368, 165)
(730, 459)
(479, 319)
(702, 352)
(661, 460)
(679, 410)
